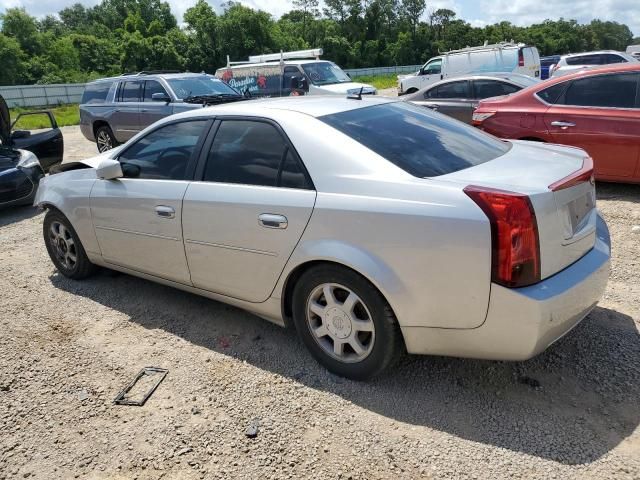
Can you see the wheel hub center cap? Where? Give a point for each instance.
(338, 323)
(62, 245)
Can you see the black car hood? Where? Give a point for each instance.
(5, 123)
(8, 158)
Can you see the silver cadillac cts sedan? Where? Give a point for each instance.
(372, 226)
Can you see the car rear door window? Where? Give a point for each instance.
(551, 94)
(612, 91)
(130, 92)
(96, 92)
(151, 87)
(492, 88)
(165, 153)
(253, 153)
(451, 90)
(421, 142)
(595, 59)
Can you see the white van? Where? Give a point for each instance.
(499, 58)
(288, 73)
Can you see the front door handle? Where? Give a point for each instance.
(270, 220)
(563, 125)
(165, 212)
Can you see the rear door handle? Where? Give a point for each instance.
(165, 212)
(144, 110)
(271, 220)
(563, 125)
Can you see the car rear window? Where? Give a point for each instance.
(421, 142)
(96, 92)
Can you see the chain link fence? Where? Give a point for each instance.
(65, 93)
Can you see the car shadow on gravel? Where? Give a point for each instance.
(572, 404)
(618, 191)
(11, 215)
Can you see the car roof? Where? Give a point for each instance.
(151, 76)
(595, 70)
(314, 106)
(595, 52)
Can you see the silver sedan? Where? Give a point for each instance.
(371, 226)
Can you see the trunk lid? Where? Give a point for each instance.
(566, 216)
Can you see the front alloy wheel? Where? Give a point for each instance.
(105, 139)
(63, 245)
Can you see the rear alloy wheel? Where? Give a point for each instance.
(345, 322)
(105, 139)
(64, 247)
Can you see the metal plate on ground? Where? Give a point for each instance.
(142, 386)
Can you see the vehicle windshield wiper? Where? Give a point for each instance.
(211, 97)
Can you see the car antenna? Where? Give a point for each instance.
(356, 96)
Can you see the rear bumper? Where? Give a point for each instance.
(523, 322)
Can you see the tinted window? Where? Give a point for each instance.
(584, 60)
(421, 142)
(551, 94)
(246, 152)
(130, 92)
(96, 92)
(151, 87)
(450, 90)
(608, 58)
(165, 153)
(292, 175)
(603, 91)
(492, 88)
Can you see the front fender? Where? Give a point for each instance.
(70, 193)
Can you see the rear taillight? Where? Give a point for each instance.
(585, 174)
(515, 259)
(478, 118)
(520, 58)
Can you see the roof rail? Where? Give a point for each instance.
(150, 72)
(275, 57)
(494, 46)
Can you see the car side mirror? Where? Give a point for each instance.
(109, 169)
(295, 83)
(160, 97)
(16, 134)
(304, 85)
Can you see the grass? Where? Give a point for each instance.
(379, 81)
(65, 115)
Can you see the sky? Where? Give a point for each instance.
(476, 12)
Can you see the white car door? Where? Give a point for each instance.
(137, 218)
(242, 221)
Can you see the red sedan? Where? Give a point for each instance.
(597, 110)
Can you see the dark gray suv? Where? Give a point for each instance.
(114, 109)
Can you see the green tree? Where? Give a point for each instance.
(12, 71)
(17, 23)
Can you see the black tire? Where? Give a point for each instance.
(81, 267)
(105, 140)
(387, 343)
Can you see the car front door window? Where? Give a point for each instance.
(165, 153)
(433, 68)
(151, 87)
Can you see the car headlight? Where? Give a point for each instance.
(28, 160)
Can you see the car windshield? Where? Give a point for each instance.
(199, 86)
(421, 142)
(325, 73)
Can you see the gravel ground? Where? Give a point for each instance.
(68, 347)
